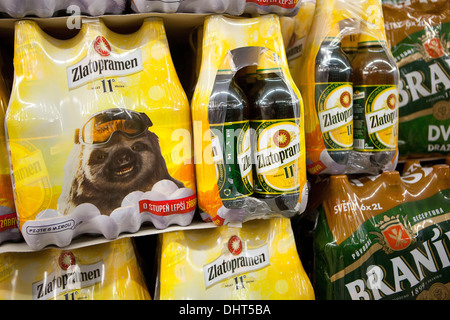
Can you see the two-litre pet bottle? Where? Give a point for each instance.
(275, 114)
(228, 115)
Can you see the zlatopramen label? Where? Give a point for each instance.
(335, 113)
(277, 155)
(375, 117)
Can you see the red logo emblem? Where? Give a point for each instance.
(66, 259)
(434, 48)
(235, 245)
(345, 99)
(102, 46)
(391, 101)
(282, 138)
(395, 235)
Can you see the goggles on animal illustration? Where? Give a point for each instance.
(99, 128)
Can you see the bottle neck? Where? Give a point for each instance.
(332, 42)
(374, 44)
(350, 42)
(265, 71)
(225, 72)
(372, 25)
(268, 62)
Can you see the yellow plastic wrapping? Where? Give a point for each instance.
(108, 271)
(296, 34)
(99, 130)
(8, 217)
(257, 261)
(248, 165)
(351, 107)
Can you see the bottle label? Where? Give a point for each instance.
(277, 155)
(231, 150)
(375, 117)
(334, 103)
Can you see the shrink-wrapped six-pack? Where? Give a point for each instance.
(50, 8)
(108, 271)
(290, 170)
(258, 261)
(231, 7)
(384, 237)
(99, 154)
(351, 103)
(248, 123)
(418, 33)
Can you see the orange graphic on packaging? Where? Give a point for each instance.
(348, 204)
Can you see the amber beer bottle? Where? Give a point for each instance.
(333, 96)
(230, 136)
(350, 45)
(375, 96)
(275, 125)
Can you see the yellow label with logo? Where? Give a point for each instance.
(256, 261)
(97, 121)
(277, 156)
(108, 271)
(376, 118)
(334, 103)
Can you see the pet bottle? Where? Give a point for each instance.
(275, 114)
(375, 96)
(333, 96)
(228, 117)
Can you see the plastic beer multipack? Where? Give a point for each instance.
(248, 123)
(99, 132)
(258, 261)
(351, 99)
(50, 8)
(108, 271)
(9, 227)
(418, 33)
(297, 32)
(232, 7)
(280, 7)
(384, 236)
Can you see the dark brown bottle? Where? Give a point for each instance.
(350, 45)
(333, 97)
(275, 124)
(375, 99)
(229, 123)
